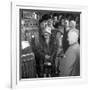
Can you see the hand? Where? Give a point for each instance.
(47, 56)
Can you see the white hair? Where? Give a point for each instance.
(73, 36)
(73, 22)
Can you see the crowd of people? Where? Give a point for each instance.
(57, 50)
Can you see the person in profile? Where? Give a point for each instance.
(70, 63)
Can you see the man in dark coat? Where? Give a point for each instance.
(70, 64)
(45, 54)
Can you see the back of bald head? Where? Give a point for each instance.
(73, 36)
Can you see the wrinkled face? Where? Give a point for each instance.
(46, 35)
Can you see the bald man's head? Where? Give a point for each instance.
(73, 37)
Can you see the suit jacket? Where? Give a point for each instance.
(70, 64)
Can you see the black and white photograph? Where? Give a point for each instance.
(49, 43)
(45, 45)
